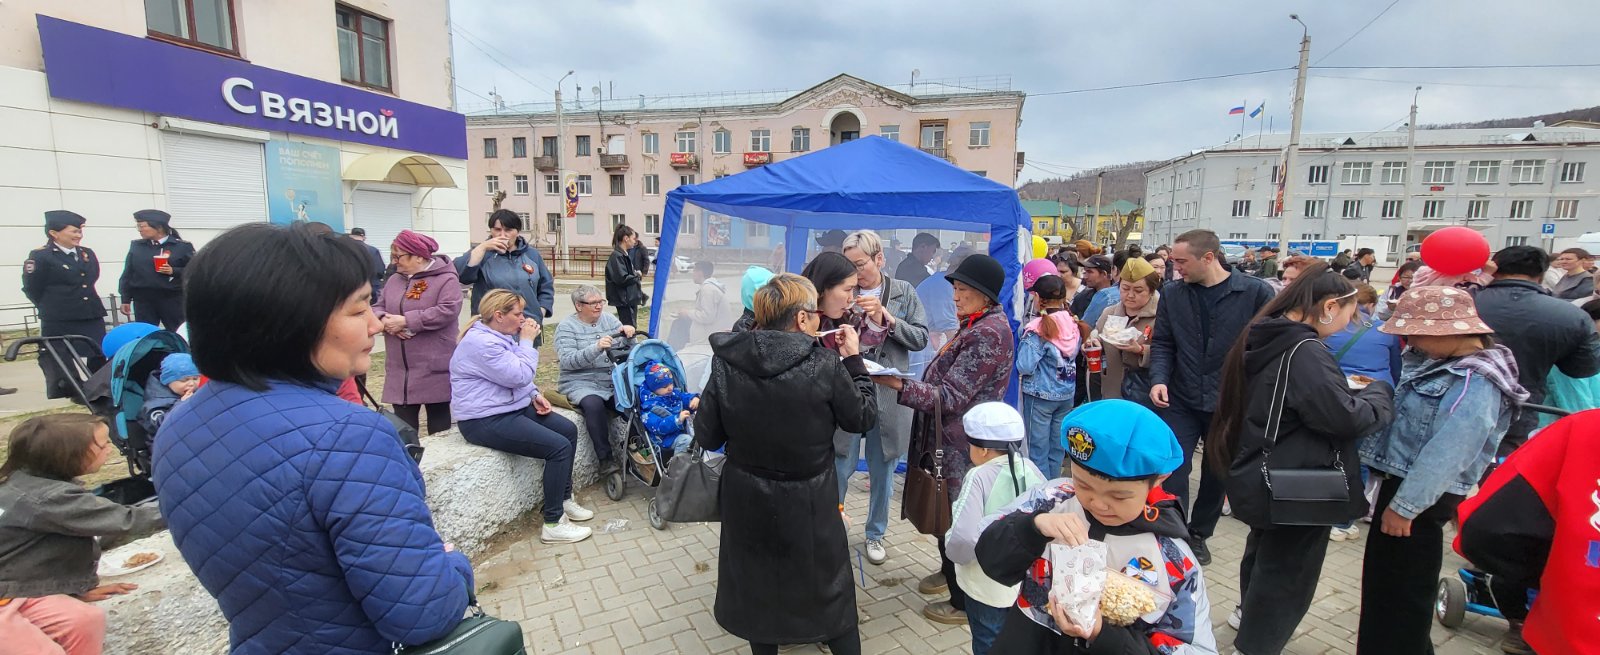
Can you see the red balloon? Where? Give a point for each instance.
(1455, 250)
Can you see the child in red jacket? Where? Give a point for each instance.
(1536, 523)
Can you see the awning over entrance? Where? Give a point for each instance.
(399, 168)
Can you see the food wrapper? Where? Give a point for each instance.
(1126, 599)
(1078, 578)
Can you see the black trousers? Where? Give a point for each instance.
(56, 383)
(845, 644)
(628, 314)
(597, 414)
(438, 415)
(958, 598)
(1399, 578)
(1277, 580)
(1190, 427)
(524, 432)
(157, 308)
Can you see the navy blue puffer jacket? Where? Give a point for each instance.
(302, 516)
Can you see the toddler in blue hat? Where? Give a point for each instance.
(665, 410)
(1120, 452)
(172, 383)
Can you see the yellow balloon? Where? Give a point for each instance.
(1039, 247)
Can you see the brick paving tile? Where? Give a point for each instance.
(640, 591)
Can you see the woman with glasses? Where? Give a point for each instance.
(420, 310)
(1362, 349)
(582, 340)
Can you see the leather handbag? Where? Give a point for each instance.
(691, 490)
(409, 440)
(478, 634)
(927, 494)
(1301, 496)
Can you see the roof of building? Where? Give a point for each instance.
(1042, 208)
(1565, 133)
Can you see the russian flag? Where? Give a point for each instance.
(1236, 111)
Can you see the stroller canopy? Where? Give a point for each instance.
(627, 377)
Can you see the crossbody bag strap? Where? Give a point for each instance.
(938, 434)
(1339, 356)
(1280, 393)
(361, 386)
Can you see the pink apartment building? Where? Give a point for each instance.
(627, 159)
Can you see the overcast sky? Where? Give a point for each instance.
(654, 48)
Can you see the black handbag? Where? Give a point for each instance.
(1301, 496)
(478, 634)
(927, 494)
(408, 435)
(691, 490)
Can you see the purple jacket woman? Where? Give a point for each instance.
(420, 310)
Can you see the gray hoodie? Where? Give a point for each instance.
(47, 534)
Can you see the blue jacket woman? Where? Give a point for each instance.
(507, 261)
(1362, 348)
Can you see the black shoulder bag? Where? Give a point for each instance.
(1300, 496)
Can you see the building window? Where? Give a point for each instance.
(933, 138)
(1516, 241)
(760, 140)
(585, 185)
(652, 143)
(981, 173)
(686, 225)
(1393, 208)
(585, 223)
(756, 229)
(1566, 209)
(721, 142)
(1433, 209)
(652, 185)
(522, 184)
(800, 140)
(552, 185)
(1521, 209)
(547, 146)
(205, 23)
(1394, 172)
(1272, 236)
(491, 148)
(686, 180)
(523, 216)
(492, 184)
(890, 132)
(582, 148)
(1317, 175)
(1438, 172)
(553, 223)
(1239, 236)
(978, 134)
(1527, 171)
(1241, 208)
(1310, 236)
(1356, 172)
(363, 48)
(685, 141)
(1572, 171)
(1316, 209)
(618, 186)
(1477, 209)
(519, 147)
(1483, 171)
(1352, 208)
(652, 223)
(618, 219)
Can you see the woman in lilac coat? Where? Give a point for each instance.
(420, 312)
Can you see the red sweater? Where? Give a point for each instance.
(1537, 522)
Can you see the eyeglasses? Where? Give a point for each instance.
(592, 303)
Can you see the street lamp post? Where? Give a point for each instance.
(1294, 134)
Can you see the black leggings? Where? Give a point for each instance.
(524, 432)
(848, 643)
(597, 413)
(438, 415)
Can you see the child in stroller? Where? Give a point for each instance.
(666, 411)
(172, 383)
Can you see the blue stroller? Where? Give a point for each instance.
(640, 456)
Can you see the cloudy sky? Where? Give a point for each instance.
(655, 48)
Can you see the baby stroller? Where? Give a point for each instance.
(640, 456)
(1468, 591)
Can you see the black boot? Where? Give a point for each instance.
(1202, 554)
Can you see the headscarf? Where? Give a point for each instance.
(412, 243)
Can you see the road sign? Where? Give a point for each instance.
(1548, 229)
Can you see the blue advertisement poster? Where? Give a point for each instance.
(303, 184)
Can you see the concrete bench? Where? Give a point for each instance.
(473, 492)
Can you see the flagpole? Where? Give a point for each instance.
(1243, 115)
(1261, 123)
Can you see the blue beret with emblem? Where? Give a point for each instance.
(1120, 440)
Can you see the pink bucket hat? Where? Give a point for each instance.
(1036, 269)
(1435, 311)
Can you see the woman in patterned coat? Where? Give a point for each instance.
(974, 367)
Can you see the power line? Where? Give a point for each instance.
(1278, 70)
(1470, 67)
(469, 41)
(475, 94)
(1437, 83)
(1357, 32)
(503, 53)
(1160, 83)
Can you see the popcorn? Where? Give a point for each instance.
(1124, 600)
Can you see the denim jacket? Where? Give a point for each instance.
(1450, 415)
(1044, 373)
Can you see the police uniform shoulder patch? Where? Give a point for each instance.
(28, 266)
(1079, 444)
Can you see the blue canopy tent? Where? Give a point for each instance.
(869, 183)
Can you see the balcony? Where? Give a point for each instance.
(1021, 161)
(614, 162)
(545, 163)
(685, 160)
(754, 159)
(939, 152)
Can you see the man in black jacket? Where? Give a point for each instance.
(1200, 317)
(378, 267)
(152, 275)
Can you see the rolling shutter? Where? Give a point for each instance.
(383, 215)
(212, 182)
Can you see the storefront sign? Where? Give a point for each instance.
(303, 184)
(89, 64)
(684, 160)
(757, 158)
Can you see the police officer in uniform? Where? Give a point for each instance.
(59, 279)
(152, 275)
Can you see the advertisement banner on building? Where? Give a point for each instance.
(570, 189)
(303, 184)
(718, 229)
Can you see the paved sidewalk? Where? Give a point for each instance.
(639, 591)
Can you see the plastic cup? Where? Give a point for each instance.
(161, 261)
(1094, 357)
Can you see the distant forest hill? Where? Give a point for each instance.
(1121, 182)
(1591, 114)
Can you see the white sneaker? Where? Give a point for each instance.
(564, 533)
(1337, 533)
(1236, 617)
(576, 512)
(876, 553)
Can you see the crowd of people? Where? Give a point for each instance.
(1308, 399)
